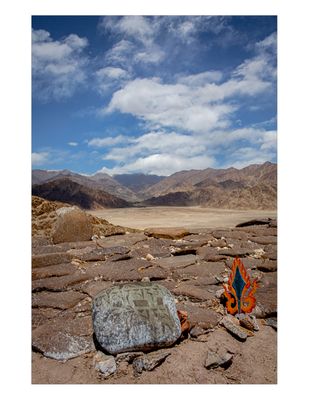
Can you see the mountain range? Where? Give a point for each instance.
(252, 187)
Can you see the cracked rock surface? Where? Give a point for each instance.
(67, 276)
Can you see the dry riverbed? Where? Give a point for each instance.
(188, 217)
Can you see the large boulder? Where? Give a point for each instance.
(136, 316)
(72, 225)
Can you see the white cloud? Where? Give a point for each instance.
(138, 27)
(137, 35)
(181, 105)
(107, 141)
(58, 66)
(270, 42)
(187, 28)
(120, 53)
(112, 73)
(195, 103)
(73, 144)
(39, 158)
(157, 142)
(161, 164)
(150, 55)
(110, 78)
(245, 156)
(162, 152)
(201, 78)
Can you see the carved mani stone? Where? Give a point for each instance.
(135, 316)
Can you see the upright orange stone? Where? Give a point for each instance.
(239, 291)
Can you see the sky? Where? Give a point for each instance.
(155, 94)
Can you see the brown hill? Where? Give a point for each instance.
(184, 181)
(68, 191)
(137, 182)
(99, 181)
(253, 187)
(256, 197)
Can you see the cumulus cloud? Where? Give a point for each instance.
(198, 102)
(138, 27)
(120, 53)
(58, 66)
(163, 152)
(110, 78)
(39, 158)
(183, 105)
(73, 144)
(161, 164)
(137, 37)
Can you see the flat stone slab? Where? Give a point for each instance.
(200, 316)
(58, 283)
(64, 338)
(44, 260)
(60, 300)
(266, 295)
(41, 316)
(98, 254)
(53, 271)
(193, 291)
(230, 234)
(264, 239)
(153, 246)
(204, 269)
(124, 270)
(133, 317)
(174, 262)
(94, 287)
(268, 266)
(127, 240)
(167, 233)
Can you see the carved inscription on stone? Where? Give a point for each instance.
(134, 317)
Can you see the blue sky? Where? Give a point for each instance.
(153, 94)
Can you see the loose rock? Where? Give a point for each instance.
(248, 322)
(272, 322)
(232, 326)
(197, 331)
(149, 361)
(128, 357)
(149, 257)
(215, 360)
(105, 364)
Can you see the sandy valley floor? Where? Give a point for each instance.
(188, 217)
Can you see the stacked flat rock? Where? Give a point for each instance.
(135, 316)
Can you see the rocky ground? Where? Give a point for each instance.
(193, 265)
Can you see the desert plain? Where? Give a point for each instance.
(187, 217)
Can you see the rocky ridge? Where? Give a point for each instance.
(48, 220)
(252, 187)
(66, 190)
(214, 347)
